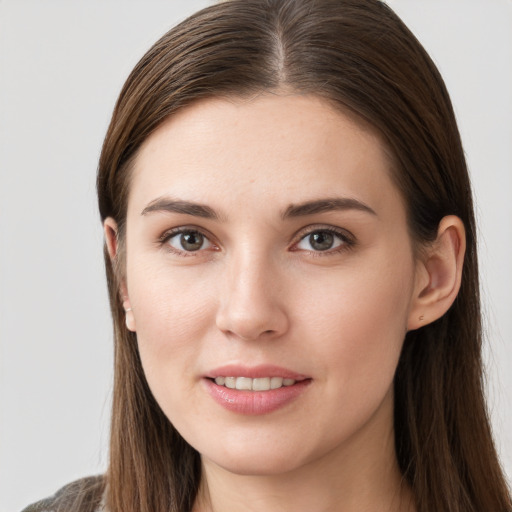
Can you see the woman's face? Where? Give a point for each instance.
(267, 241)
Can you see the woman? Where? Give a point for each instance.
(291, 258)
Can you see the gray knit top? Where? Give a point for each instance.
(84, 495)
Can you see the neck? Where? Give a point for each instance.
(360, 476)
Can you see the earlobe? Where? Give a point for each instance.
(438, 274)
(129, 318)
(111, 240)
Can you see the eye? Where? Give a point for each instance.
(322, 240)
(188, 240)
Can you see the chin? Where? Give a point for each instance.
(246, 466)
(258, 461)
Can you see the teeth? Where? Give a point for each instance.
(230, 382)
(276, 382)
(259, 384)
(262, 384)
(243, 383)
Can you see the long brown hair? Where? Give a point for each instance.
(358, 56)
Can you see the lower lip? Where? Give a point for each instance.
(255, 402)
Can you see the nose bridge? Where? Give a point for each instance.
(250, 304)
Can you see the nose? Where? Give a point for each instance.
(252, 302)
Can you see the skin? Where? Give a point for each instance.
(257, 291)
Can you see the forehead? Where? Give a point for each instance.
(277, 148)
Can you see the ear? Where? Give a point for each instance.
(111, 239)
(438, 274)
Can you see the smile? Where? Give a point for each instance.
(257, 384)
(257, 393)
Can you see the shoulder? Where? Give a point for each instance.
(84, 495)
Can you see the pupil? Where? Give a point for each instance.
(191, 241)
(321, 241)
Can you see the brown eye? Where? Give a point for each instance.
(189, 241)
(321, 240)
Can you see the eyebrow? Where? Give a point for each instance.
(325, 205)
(166, 204)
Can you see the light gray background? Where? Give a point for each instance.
(62, 64)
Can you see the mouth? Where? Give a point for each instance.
(257, 384)
(256, 390)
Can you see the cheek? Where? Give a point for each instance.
(354, 331)
(173, 313)
(359, 320)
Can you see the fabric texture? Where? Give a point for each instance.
(84, 495)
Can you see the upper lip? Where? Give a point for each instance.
(254, 372)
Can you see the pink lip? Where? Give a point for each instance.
(255, 402)
(254, 372)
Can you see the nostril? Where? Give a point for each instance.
(257, 335)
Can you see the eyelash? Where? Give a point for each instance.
(348, 241)
(164, 239)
